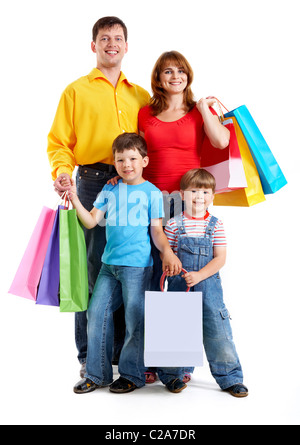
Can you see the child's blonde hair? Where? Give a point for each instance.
(198, 178)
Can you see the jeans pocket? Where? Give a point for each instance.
(225, 316)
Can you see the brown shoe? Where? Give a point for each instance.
(238, 390)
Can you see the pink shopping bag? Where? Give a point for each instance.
(28, 275)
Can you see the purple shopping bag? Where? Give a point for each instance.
(28, 275)
(49, 284)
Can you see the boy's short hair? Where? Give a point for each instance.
(198, 178)
(130, 141)
(108, 22)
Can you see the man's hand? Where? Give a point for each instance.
(62, 183)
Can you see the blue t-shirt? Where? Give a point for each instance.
(129, 210)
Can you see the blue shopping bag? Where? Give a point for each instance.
(271, 176)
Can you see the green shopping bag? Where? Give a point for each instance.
(74, 289)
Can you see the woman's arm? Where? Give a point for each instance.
(218, 135)
(193, 278)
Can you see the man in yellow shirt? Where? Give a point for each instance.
(91, 113)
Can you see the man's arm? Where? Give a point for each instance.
(61, 143)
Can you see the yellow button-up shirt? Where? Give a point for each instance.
(90, 115)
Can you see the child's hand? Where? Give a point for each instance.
(171, 264)
(114, 180)
(192, 278)
(72, 193)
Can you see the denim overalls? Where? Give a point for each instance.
(195, 253)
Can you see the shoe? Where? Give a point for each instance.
(83, 370)
(150, 376)
(176, 385)
(122, 385)
(85, 386)
(238, 390)
(187, 377)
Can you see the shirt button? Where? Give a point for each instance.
(120, 111)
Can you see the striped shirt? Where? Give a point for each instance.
(195, 227)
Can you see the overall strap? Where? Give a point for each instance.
(179, 222)
(211, 227)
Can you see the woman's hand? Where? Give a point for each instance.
(205, 103)
(217, 133)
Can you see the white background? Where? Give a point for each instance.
(241, 52)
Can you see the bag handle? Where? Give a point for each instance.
(63, 200)
(163, 277)
(219, 103)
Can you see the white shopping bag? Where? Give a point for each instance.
(173, 329)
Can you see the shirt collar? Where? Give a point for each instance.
(97, 74)
(199, 219)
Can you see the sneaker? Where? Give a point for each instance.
(176, 385)
(238, 390)
(122, 385)
(85, 386)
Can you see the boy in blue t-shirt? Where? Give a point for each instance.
(130, 207)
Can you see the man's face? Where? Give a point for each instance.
(110, 47)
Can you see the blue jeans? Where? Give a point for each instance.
(116, 285)
(89, 184)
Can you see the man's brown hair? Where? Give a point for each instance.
(108, 22)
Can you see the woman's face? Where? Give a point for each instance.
(173, 79)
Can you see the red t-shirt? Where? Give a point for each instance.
(173, 147)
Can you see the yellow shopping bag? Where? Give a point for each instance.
(253, 194)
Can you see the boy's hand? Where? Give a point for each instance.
(171, 263)
(114, 180)
(72, 193)
(192, 278)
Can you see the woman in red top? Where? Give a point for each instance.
(174, 125)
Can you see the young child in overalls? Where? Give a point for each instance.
(199, 241)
